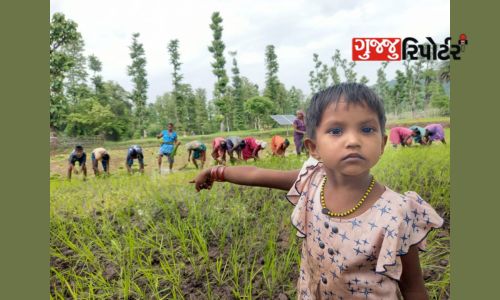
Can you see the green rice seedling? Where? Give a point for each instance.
(236, 268)
(151, 236)
(221, 270)
(63, 280)
(249, 279)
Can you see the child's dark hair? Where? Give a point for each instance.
(105, 156)
(352, 93)
(79, 147)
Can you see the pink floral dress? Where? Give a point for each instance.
(360, 257)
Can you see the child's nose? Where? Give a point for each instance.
(353, 140)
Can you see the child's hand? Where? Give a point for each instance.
(203, 180)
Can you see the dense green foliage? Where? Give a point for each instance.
(84, 103)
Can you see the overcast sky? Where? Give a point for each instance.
(296, 28)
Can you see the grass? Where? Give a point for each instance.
(154, 237)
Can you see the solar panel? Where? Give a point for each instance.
(283, 119)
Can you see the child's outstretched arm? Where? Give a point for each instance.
(412, 282)
(248, 175)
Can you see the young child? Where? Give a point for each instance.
(361, 239)
(134, 152)
(77, 155)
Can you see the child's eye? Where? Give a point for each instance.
(368, 129)
(335, 131)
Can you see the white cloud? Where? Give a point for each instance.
(296, 28)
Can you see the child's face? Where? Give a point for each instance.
(78, 152)
(348, 139)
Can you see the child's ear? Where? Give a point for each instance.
(311, 146)
(384, 142)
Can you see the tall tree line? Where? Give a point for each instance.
(85, 103)
(419, 86)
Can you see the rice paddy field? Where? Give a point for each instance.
(152, 236)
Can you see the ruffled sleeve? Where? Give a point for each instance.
(302, 191)
(416, 219)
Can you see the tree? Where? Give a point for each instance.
(75, 82)
(117, 98)
(189, 98)
(137, 70)
(295, 99)
(91, 118)
(333, 70)
(444, 71)
(95, 65)
(363, 80)
(248, 90)
(382, 85)
(348, 68)
(272, 88)
(63, 36)
(259, 108)
(413, 73)
(428, 77)
(202, 120)
(164, 108)
(439, 99)
(319, 77)
(180, 103)
(217, 49)
(399, 93)
(238, 107)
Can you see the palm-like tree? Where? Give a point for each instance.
(444, 71)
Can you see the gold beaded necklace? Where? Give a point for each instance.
(326, 211)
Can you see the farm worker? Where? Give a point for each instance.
(168, 146)
(100, 154)
(77, 155)
(419, 134)
(199, 152)
(252, 148)
(134, 152)
(219, 150)
(401, 136)
(299, 129)
(234, 143)
(279, 145)
(434, 132)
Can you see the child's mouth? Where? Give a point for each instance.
(353, 156)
